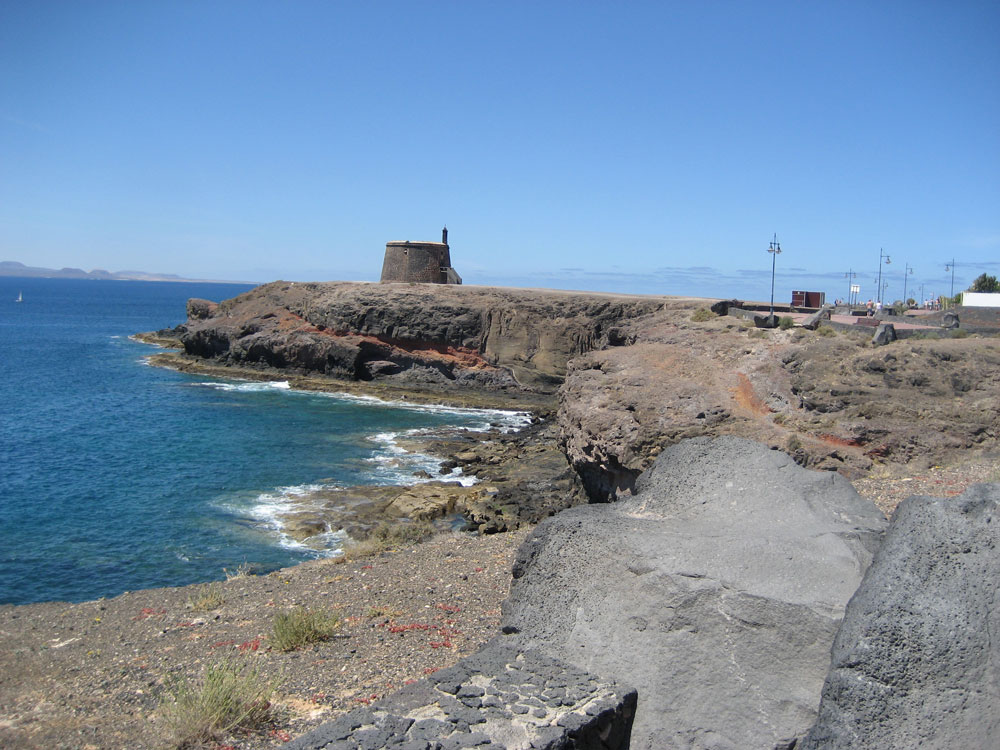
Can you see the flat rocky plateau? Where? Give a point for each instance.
(617, 379)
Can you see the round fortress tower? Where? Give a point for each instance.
(420, 262)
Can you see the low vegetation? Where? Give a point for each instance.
(300, 626)
(786, 322)
(206, 598)
(388, 536)
(244, 570)
(230, 697)
(702, 314)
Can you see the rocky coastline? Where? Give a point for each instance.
(614, 382)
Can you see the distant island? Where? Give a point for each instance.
(13, 268)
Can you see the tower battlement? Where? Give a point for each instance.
(419, 262)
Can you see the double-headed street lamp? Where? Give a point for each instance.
(774, 248)
(951, 268)
(881, 256)
(850, 276)
(907, 271)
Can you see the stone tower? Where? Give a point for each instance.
(420, 262)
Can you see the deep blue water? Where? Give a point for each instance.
(117, 476)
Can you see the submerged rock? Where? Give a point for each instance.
(716, 591)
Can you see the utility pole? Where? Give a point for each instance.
(850, 275)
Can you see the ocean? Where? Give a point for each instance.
(117, 476)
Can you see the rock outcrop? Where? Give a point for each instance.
(496, 698)
(832, 402)
(716, 591)
(479, 336)
(916, 662)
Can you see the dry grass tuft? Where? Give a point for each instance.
(300, 626)
(206, 598)
(229, 697)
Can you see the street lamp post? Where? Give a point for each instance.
(774, 248)
(850, 275)
(907, 271)
(951, 268)
(881, 256)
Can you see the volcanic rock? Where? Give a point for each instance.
(484, 337)
(884, 334)
(716, 591)
(916, 662)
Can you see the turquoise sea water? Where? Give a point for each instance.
(116, 476)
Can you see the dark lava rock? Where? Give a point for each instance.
(916, 662)
(884, 334)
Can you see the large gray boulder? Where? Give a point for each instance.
(716, 591)
(917, 660)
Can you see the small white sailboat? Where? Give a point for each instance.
(20, 297)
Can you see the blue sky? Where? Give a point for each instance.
(621, 146)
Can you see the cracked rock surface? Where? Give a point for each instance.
(497, 699)
(716, 591)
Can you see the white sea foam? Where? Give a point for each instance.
(268, 508)
(504, 419)
(247, 386)
(393, 464)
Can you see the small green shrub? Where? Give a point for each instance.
(300, 626)
(959, 333)
(786, 322)
(702, 314)
(793, 444)
(229, 697)
(825, 331)
(206, 598)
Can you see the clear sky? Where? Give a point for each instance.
(651, 147)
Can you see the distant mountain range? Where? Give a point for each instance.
(13, 268)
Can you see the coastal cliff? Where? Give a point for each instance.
(632, 374)
(420, 334)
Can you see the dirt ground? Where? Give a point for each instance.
(94, 674)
